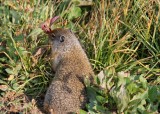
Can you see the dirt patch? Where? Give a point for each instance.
(15, 103)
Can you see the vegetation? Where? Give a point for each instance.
(121, 38)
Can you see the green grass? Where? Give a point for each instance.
(120, 37)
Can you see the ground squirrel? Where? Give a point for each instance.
(67, 93)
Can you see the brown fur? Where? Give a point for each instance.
(67, 93)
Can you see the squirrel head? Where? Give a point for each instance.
(63, 45)
(62, 41)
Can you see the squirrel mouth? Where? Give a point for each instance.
(46, 26)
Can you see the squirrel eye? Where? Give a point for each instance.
(61, 39)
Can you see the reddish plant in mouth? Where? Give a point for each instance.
(46, 26)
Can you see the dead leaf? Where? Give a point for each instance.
(34, 61)
(124, 74)
(102, 79)
(3, 87)
(85, 3)
(11, 77)
(29, 8)
(39, 52)
(33, 102)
